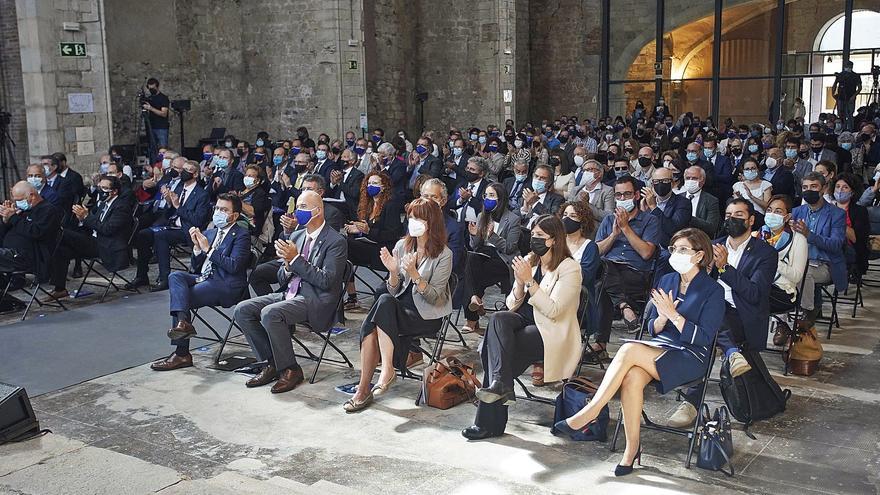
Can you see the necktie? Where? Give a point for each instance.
(293, 286)
(690, 196)
(578, 177)
(104, 209)
(207, 267)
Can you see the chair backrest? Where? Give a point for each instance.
(135, 224)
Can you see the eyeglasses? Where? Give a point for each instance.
(624, 195)
(621, 169)
(661, 181)
(681, 250)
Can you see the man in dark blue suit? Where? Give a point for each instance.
(325, 162)
(780, 177)
(435, 190)
(725, 173)
(63, 187)
(468, 195)
(187, 206)
(745, 267)
(219, 278)
(37, 178)
(673, 211)
(396, 169)
(226, 178)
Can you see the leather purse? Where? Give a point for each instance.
(576, 392)
(448, 383)
(716, 442)
(804, 353)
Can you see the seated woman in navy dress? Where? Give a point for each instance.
(687, 310)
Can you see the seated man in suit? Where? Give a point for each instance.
(673, 211)
(312, 277)
(388, 162)
(725, 173)
(745, 267)
(325, 164)
(705, 214)
(63, 187)
(103, 233)
(188, 205)
(126, 194)
(469, 193)
(779, 176)
(225, 178)
(314, 182)
(218, 278)
(695, 156)
(599, 196)
(435, 190)
(517, 184)
(538, 199)
(37, 178)
(345, 185)
(29, 231)
(824, 226)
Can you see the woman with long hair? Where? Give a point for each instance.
(417, 299)
(540, 325)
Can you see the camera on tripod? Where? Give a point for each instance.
(875, 73)
(142, 97)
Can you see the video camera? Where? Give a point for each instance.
(875, 73)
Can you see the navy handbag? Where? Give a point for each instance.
(575, 393)
(716, 442)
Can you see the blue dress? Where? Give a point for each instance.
(686, 352)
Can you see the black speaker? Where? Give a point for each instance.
(16, 414)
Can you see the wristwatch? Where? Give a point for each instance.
(677, 319)
(529, 285)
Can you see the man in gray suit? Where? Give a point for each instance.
(818, 151)
(705, 214)
(312, 270)
(588, 186)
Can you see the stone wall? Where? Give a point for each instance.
(11, 85)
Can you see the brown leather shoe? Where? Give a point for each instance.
(289, 379)
(265, 377)
(173, 362)
(183, 330)
(56, 294)
(538, 374)
(414, 359)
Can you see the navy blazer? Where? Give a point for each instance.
(725, 176)
(233, 181)
(196, 211)
(399, 180)
(829, 237)
(476, 201)
(783, 182)
(702, 308)
(750, 283)
(229, 264)
(327, 167)
(675, 217)
(455, 241)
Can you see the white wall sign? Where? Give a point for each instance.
(80, 102)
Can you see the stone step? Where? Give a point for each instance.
(324, 487)
(245, 485)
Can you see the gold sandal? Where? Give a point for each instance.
(352, 406)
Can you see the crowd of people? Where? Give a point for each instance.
(580, 221)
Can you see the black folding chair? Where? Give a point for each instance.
(36, 286)
(90, 267)
(795, 315)
(831, 293)
(856, 300)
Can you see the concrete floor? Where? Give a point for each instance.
(201, 431)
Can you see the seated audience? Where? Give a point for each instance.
(63, 187)
(791, 251)
(311, 279)
(514, 186)
(414, 305)
(29, 232)
(829, 171)
(255, 202)
(470, 191)
(687, 310)
(580, 226)
(541, 325)
(858, 227)
(780, 177)
(598, 195)
(752, 187)
(225, 178)
(704, 207)
(538, 198)
(37, 178)
(314, 182)
(345, 185)
(672, 211)
(494, 241)
(218, 278)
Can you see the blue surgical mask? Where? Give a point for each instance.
(846, 146)
(258, 156)
(373, 191)
(539, 186)
(421, 149)
(493, 147)
(207, 156)
(489, 204)
(104, 168)
(260, 142)
(692, 156)
(521, 178)
(621, 173)
(295, 150)
(457, 151)
(359, 150)
(377, 139)
(221, 220)
(303, 216)
(790, 153)
(842, 196)
(321, 154)
(473, 137)
(35, 181)
(277, 159)
(221, 163)
(708, 152)
(249, 181)
(626, 204)
(773, 220)
(750, 174)
(482, 139)
(753, 148)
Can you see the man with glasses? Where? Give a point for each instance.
(627, 241)
(219, 277)
(622, 168)
(672, 210)
(588, 187)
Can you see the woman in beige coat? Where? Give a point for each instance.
(540, 325)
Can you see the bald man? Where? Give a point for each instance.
(29, 230)
(311, 278)
(36, 177)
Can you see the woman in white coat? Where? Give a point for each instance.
(541, 324)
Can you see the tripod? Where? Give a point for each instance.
(143, 118)
(7, 157)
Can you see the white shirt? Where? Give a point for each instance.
(225, 230)
(695, 200)
(733, 257)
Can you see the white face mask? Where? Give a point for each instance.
(417, 228)
(681, 262)
(770, 162)
(692, 186)
(578, 160)
(589, 177)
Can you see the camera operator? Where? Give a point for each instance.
(846, 86)
(156, 104)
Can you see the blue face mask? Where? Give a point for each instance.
(489, 204)
(221, 220)
(482, 139)
(692, 156)
(493, 147)
(260, 142)
(321, 154)
(22, 204)
(626, 204)
(207, 156)
(790, 153)
(421, 149)
(773, 220)
(295, 150)
(539, 186)
(373, 191)
(303, 216)
(753, 148)
(377, 139)
(349, 142)
(104, 168)
(359, 150)
(258, 156)
(846, 146)
(277, 159)
(620, 173)
(750, 174)
(457, 151)
(521, 178)
(708, 152)
(221, 163)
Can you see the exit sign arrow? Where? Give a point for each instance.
(72, 49)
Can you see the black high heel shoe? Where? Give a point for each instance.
(563, 427)
(622, 470)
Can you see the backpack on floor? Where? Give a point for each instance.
(754, 395)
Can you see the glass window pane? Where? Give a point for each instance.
(687, 40)
(745, 100)
(632, 46)
(748, 38)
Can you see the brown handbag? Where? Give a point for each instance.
(805, 352)
(448, 383)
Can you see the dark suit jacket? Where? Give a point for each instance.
(858, 214)
(433, 166)
(322, 275)
(64, 188)
(515, 202)
(233, 181)
(113, 233)
(750, 283)
(399, 181)
(351, 188)
(325, 169)
(333, 216)
(675, 217)
(76, 180)
(725, 177)
(33, 235)
(386, 229)
(708, 215)
(783, 182)
(552, 203)
(455, 240)
(229, 264)
(51, 196)
(475, 201)
(707, 166)
(195, 211)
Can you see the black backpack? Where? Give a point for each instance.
(754, 395)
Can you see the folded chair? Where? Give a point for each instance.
(90, 267)
(36, 287)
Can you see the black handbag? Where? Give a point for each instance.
(754, 395)
(716, 442)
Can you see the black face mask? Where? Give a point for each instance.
(736, 151)
(812, 197)
(172, 173)
(185, 176)
(154, 91)
(539, 246)
(470, 176)
(644, 161)
(675, 145)
(563, 139)
(662, 189)
(803, 154)
(102, 195)
(571, 226)
(817, 149)
(735, 227)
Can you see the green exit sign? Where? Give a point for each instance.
(72, 49)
